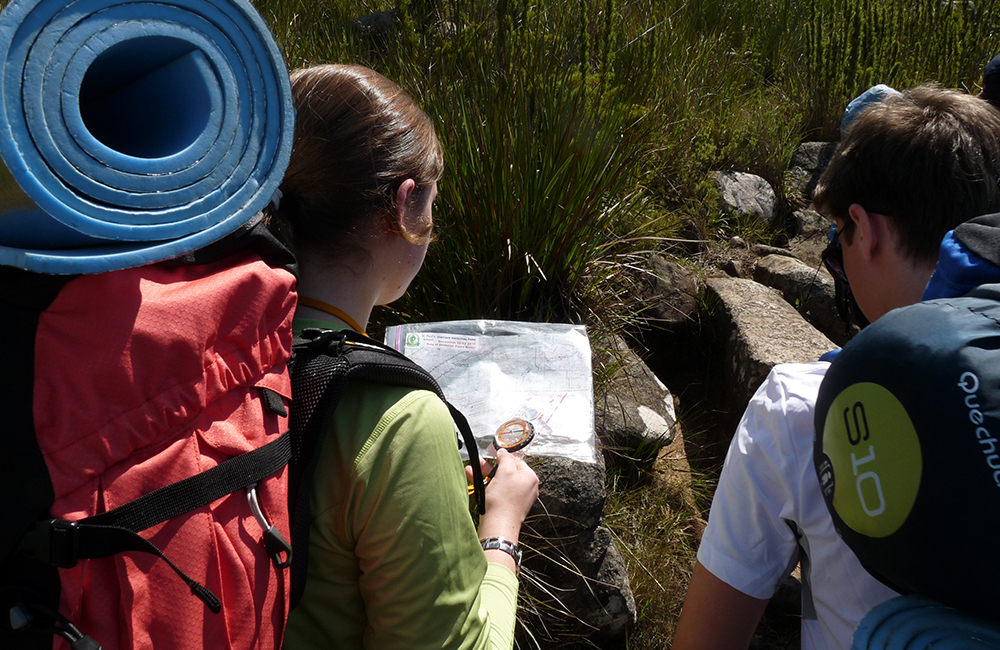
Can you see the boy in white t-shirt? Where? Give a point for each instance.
(909, 169)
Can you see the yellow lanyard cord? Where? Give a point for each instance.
(333, 311)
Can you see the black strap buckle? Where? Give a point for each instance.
(53, 541)
(319, 339)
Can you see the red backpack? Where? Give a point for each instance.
(144, 405)
(143, 478)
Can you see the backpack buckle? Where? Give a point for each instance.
(320, 339)
(53, 541)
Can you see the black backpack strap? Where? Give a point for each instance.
(63, 543)
(253, 235)
(27, 494)
(323, 363)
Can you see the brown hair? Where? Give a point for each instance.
(358, 136)
(928, 159)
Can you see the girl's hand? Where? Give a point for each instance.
(509, 496)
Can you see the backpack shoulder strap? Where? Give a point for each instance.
(27, 492)
(323, 364)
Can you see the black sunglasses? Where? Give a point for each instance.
(833, 254)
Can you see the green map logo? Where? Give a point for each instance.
(412, 340)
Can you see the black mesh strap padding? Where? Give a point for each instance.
(323, 363)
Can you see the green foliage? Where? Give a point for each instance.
(544, 158)
(850, 46)
(657, 531)
(568, 123)
(536, 189)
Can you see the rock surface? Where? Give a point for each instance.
(761, 330)
(574, 575)
(812, 234)
(668, 292)
(634, 416)
(743, 193)
(807, 165)
(809, 289)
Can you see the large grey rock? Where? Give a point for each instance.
(613, 611)
(570, 600)
(573, 573)
(809, 223)
(571, 494)
(633, 412)
(812, 234)
(793, 278)
(744, 193)
(669, 292)
(807, 165)
(762, 250)
(814, 156)
(810, 290)
(762, 330)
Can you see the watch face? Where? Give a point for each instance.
(514, 434)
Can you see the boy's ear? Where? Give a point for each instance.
(867, 229)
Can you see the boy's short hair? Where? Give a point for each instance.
(929, 159)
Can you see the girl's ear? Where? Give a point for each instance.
(413, 219)
(403, 195)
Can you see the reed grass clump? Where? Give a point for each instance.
(850, 46)
(575, 128)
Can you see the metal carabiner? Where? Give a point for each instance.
(273, 541)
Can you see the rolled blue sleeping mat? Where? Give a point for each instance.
(133, 131)
(918, 623)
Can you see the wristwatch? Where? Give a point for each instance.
(505, 545)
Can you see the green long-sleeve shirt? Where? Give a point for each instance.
(394, 558)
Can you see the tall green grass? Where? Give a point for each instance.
(546, 148)
(542, 180)
(850, 46)
(573, 126)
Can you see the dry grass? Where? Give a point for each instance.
(657, 525)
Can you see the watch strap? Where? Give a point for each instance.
(505, 545)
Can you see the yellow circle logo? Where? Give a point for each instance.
(875, 458)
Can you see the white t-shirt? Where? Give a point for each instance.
(768, 514)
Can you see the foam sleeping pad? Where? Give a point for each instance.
(917, 623)
(134, 131)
